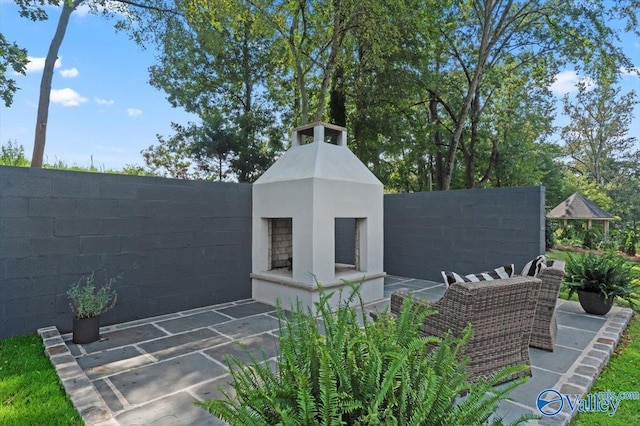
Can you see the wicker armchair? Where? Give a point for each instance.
(501, 312)
(545, 327)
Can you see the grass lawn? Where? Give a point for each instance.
(30, 393)
(621, 374)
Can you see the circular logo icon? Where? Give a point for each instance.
(549, 402)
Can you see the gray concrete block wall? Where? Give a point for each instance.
(185, 244)
(465, 231)
(179, 244)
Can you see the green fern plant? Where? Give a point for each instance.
(608, 274)
(338, 367)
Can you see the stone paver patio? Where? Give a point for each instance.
(151, 371)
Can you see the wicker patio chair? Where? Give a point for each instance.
(545, 327)
(501, 313)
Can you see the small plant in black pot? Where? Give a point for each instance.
(598, 280)
(88, 302)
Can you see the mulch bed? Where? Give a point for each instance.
(635, 258)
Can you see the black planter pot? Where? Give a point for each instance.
(594, 303)
(86, 330)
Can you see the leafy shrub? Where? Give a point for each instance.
(341, 368)
(590, 238)
(87, 301)
(630, 243)
(608, 245)
(608, 274)
(549, 234)
(12, 154)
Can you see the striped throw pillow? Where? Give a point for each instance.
(534, 266)
(450, 277)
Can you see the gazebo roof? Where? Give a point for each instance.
(578, 207)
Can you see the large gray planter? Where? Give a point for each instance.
(595, 303)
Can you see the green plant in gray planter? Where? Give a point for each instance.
(598, 280)
(88, 302)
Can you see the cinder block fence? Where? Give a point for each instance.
(178, 244)
(185, 244)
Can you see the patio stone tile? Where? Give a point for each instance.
(100, 364)
(170, 411)
(159, 379)
(211, 390)
(412, 285)
(242, 349)
(389, 279)
(560, 362)
(74, 349)
(247, 309)
(245, 327)
(509, 411)
(575, 308)
(124, 337)
(145, 321)
(179, 344)
(582, 322)
(425, 284)
(573, 338)
(203, 319)
(107, 394)
(540, 380)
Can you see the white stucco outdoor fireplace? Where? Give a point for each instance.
(295, 206)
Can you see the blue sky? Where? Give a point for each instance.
(102, 104)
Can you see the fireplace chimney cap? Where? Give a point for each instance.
(319, 131)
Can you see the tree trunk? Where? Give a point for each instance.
(337, 102)
(437, 141)
(336, 42)
(45, 83)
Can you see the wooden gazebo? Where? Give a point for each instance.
(581, 208)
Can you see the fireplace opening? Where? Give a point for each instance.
(281, 245)
(349, 250)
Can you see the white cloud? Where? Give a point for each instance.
(82, 11)
(70, 73)
(37, 64)
(106, 102)
(134, 112)
(567, 82)
(114, 7)
(633, 71)
(67, 97)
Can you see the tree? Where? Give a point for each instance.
(11, 55)
(42, 117)
(468, 46)
(597, 139)
(215, 63)
(170, 158)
